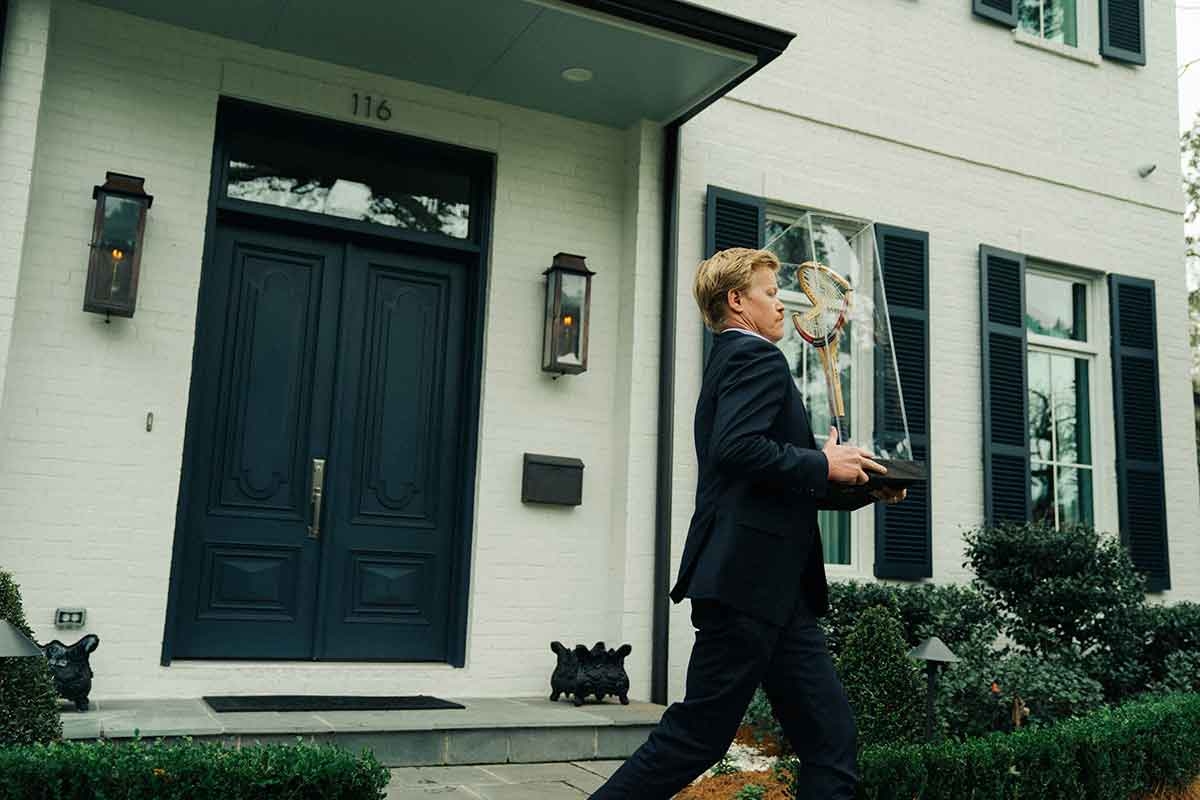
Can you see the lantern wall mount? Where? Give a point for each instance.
(568, 313)
(116, 245)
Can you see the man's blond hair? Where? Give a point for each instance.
(728, 270)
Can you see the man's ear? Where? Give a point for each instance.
(733, 299)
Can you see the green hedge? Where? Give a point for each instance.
(884, 686)
(28, 701)
(958, 615)
(187, 771)
(1112, 754)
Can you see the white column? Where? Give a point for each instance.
(635, 417)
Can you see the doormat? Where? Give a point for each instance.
(311, 702)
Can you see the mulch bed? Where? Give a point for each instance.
(1190, 793)
(724, 787)
(764, 743)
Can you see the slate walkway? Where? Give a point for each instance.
(565, 781)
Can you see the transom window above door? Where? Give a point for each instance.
(384, 181)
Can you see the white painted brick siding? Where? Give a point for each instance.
(88, 497)
(22, 73)
(911, 113)
(921, 115)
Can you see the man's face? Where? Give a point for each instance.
(758, 308)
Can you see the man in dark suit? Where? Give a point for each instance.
(752, 564)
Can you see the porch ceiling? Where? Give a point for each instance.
(651, 59)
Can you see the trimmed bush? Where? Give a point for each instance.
(1112, 754)
(1182, 673)
(28, 701)
(1056, 589)
(187, 771)
(976, 696)
(1164, 630)
(958, 615)
(883, 684)
(1071, 594)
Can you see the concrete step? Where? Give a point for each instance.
(487, 731)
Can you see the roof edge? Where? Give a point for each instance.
(762, 41)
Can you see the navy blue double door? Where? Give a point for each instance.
(326, 433)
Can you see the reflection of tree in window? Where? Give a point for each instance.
(296, 189)
(1053, 20)
(1059, 439)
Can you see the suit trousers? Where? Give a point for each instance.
(734, 653)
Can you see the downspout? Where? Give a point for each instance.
(660, 632)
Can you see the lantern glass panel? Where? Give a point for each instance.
(568, 346)
(115, 248)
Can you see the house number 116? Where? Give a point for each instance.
(365, 106)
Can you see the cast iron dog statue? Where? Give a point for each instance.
(70, 668)
(581, 672)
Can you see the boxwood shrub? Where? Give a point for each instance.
(28, 702)
(187, 771)
(958, 615)
(1111, 754)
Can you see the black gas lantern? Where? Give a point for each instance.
(568, 301)
(117, 230)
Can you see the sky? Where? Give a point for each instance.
(1187, 38)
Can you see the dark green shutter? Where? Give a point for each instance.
(902, 532)
(1123, 30)
(1004, 11)
(1140, 492)
(731, 219)
(1005, 387)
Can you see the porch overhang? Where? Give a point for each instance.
(659, 60)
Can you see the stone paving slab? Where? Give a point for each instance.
(487, 731)
(550, 781)
(119, 718)
(532, 791)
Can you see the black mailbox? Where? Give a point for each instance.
(552, 479)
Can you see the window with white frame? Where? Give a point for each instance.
(1052, 20)
(1061, 362)
(793, 247)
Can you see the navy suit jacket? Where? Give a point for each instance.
(754, 543)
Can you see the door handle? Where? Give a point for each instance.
(318, 492)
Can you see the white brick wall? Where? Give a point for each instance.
(919, 115)
(88, 497)
(915, 114)
(22, 73)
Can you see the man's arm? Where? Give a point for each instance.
(750, 395)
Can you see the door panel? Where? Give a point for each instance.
(394, 495)
(264, 334)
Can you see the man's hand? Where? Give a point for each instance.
(847, 463)
(889, 496)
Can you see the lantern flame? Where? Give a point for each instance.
(118, 254)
